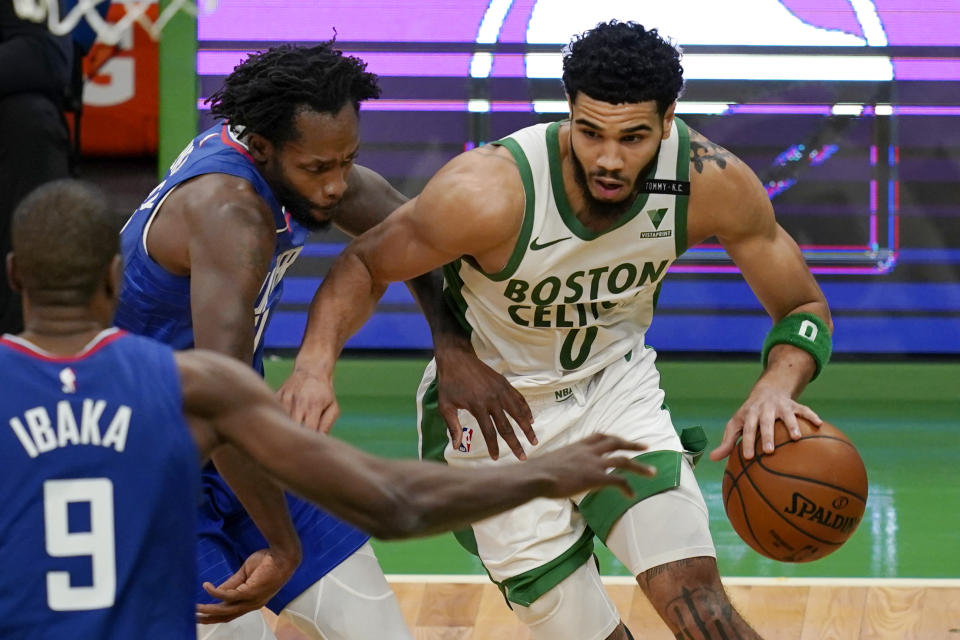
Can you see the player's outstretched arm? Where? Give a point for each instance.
(227, 403)
(728, 201)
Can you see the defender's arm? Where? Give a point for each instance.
(226, 403)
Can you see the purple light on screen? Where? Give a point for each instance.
(865, 270)
(920, 22)
(357, 20)
(926, 110)
(221, 63)
(813, 109)
(926, 69)
(836, 15)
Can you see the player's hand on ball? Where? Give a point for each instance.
(309, 399)
(249, 589)
(586, 465)
(763, 407)
(468, 383)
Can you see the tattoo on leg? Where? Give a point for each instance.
(695, 617)
(653, 572)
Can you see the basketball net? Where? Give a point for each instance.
(107, 33)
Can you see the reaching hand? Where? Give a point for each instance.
(309, 399)
(468, 383)
(250, 588)
(584, 465)
(763, 407)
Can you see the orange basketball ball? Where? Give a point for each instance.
(802, 501)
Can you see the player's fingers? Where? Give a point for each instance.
(628, 464)
(640, 468)
(749, 435)
(614, 480)
(220, 593)
(606, 443)
(451, 417)
(505, 429)
(327, 418)
(214, 613)
(313, 416)
(767, 419)
(234, 581)
(729, 440)
(804, 411)
(793, 427)
(489, 433)
(285, 396)
(518, 409)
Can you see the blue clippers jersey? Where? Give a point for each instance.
(99, 483)
(156, 303)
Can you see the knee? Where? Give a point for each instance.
(576, 608)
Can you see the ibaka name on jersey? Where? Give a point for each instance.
(40, 430)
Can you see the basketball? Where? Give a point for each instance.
(801, 502)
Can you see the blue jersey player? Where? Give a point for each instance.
(104, 431)
(205, 257)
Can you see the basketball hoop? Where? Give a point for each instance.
(107, 33)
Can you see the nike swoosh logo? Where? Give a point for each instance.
(534, 246)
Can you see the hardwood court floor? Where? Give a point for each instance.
(794, 610)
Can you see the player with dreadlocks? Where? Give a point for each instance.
(205, 256)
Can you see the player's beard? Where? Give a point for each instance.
(300, 208)
(603, 208)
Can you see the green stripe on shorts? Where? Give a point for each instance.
(524, 589)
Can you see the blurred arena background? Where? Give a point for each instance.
(848, 110)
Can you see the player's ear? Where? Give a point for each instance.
(668, 119)
(260, 148)
(13, 278)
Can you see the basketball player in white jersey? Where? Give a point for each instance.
(556, 240)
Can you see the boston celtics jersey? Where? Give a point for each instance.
(571, 300)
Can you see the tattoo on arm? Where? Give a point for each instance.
(703, 150)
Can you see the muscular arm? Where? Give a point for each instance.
(729, 202)
(455, 215)
(226, 403)
(368, 201)
(231, 241)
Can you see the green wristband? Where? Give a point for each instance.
(805, 331)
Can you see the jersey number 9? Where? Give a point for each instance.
(98, 543)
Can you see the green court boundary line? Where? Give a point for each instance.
(903, 583)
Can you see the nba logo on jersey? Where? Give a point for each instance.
(466, 440)
(68, 378)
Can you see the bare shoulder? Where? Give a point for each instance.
(212, 197)
(474, 205)
(482, 184)
(726, 197)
